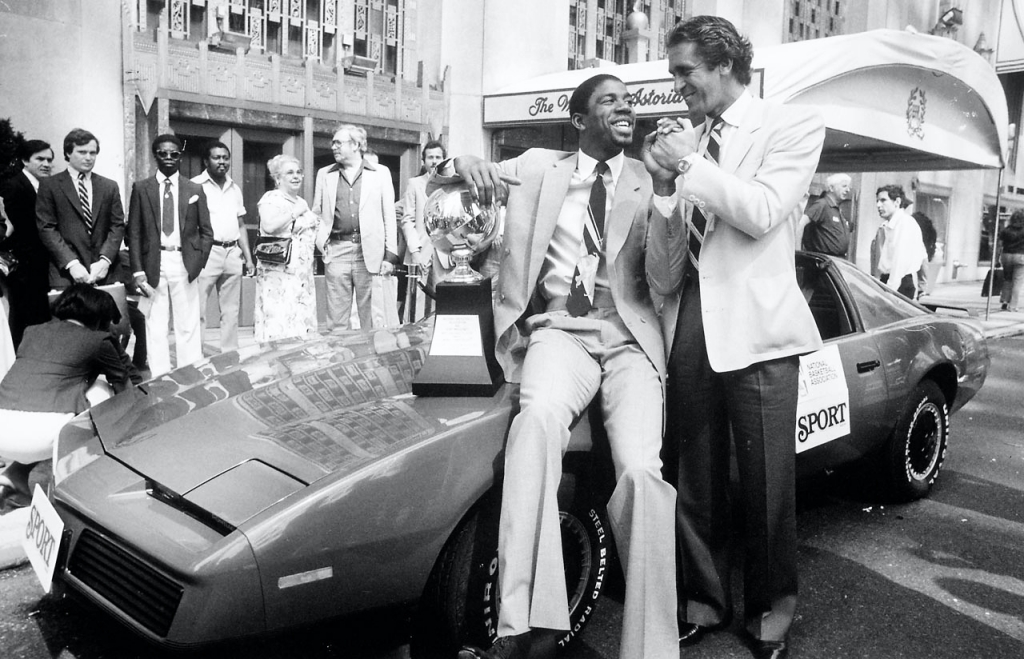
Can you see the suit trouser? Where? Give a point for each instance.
(29, 299)
(345, 276)
(758, 405)
(223, 271)
(568, 361)
(175, 292)
(906, 286)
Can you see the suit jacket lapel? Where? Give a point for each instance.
(183, 197)
(553, 189)
(71, 190)
(627, 197)
(742, 138)
(151, 191)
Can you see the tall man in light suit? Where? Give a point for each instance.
(169, 240)
(357, 235)
(573, 317)
(741, 326)
(80, 217)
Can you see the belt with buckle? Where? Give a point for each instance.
(347, 236)
(227, 244)
(170, 248)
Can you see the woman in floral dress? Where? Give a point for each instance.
(285, 294)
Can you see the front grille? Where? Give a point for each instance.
(142, 593)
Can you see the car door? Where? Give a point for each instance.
(863, 420)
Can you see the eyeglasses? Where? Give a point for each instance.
(169, 155)
(340, 142)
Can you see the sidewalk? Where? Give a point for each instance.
(967, 295)
(964, 295)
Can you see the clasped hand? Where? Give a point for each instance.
(674, 139)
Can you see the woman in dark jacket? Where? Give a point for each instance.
(58, 363)
(1012, 240)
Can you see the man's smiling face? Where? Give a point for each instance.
(703, 88)
(607, 127)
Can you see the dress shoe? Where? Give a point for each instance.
(505, 647)
(690, 633)
(770, 649)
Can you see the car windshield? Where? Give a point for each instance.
(878, 304)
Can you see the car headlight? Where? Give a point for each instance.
(77, 445)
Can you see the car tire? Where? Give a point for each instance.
(460, 603)
(915, 451)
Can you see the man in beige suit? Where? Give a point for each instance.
(574, 316)
(357, 235)
(742, 324)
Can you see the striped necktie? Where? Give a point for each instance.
(83, 196)
(699, 221)
(579, 301)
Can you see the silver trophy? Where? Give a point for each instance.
(459, 225)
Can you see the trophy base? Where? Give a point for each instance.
(461, 360)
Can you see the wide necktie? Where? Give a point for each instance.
(167, 214)
(83, 196)
(581, 288)
(699, 221)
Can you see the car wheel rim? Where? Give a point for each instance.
(577, 558)
(923, 441)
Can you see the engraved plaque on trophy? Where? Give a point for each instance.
(461, 360)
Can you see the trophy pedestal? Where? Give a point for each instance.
(461, 360)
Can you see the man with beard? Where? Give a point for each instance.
(573, 318)
(230, 255)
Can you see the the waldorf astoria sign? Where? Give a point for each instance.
(651, 98)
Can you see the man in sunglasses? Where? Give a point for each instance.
(80, 217)
(169, 240)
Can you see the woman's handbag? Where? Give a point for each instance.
(273, 250)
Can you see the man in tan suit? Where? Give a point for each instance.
(742, 324)
(357, 235)
(574, 316)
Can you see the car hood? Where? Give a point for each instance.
(272, 418)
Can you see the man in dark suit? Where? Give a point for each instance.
(575, 317)
(169, 240)
(742, 324)
(29, 283)
(80, 217)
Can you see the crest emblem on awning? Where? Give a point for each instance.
(915, 113)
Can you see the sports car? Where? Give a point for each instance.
(298, 481)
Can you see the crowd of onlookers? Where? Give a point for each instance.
(68, 243)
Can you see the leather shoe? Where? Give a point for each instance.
(770, 649)
(504, 647)
(690, 633)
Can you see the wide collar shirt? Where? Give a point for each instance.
(567, 244)
(346, 204)
(225, 204)
(173, 240)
